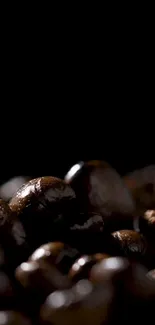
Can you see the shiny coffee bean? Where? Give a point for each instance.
(40, 278)
(146, 224)
(133, 291)
(13, 318)
(111, 269)
(56, 253)
(82, 266)
(100, 189)
(45, 207)
(9, 188)
(151, 274)
(130, 244)
(141, 184)
(83, 304)
(12, 237)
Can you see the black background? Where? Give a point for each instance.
(51, 144)
(60, 106)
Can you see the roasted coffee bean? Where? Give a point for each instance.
(131, 244)
(13, 318)
(11, 186)
(132, 290)
(146, 224)
(40, 278)
(45, 206)
(82, 266)
(138, 297)
(12, 237)
(100, 189)
(141, 184)
(151, 274)
(109, 269)
(56, 253)
(83, 304)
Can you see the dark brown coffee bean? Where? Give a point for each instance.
(151, 274)
(139, 295)
(112, 268)
(13, 318)
(146, 224)
(45, 206)
(56, 253)
(82, 266)
(100, 189)
(40, 278)
(83, 304)
(134, 293)
(130, 244)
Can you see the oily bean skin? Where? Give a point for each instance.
(147, 224)
(82, 266)
(130, 244)
(112, 268)
(56, 253)
(40, 278)
(69, 254)
(45, 206)
(134, 292)
(100, 189)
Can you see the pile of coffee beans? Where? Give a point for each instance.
(78, 250)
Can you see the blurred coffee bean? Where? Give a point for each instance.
(82, 266)
(12, 236)
(151, 274)
(45, 206)
(40, 278)
(134, 293)
(109, 269)
(139, 296)
(141, 184)
(56, 253)
(83, 304)
(130, 244)
(146, 224)
(9, 188)
(13, 318)
(100, 189)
